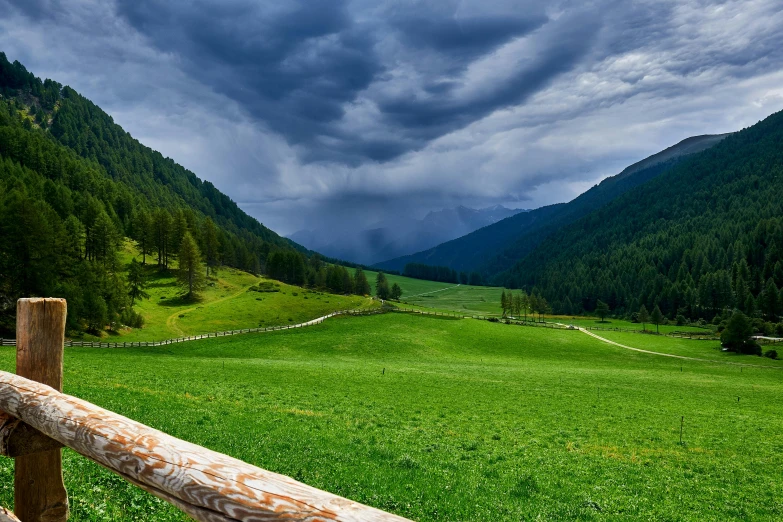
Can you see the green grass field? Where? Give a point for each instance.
(466, 299)
(227, 304)
(611, 322)
(409, 285)
(702, 349)
(470, 421)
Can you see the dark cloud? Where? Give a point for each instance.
(468, 37)
(292, 65)
(433, 116)
(346, 111)
(299, 67)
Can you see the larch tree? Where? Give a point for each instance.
(602, 309)
(643, 317)
(656, 317)
(137, 282)
(360, 284)
(382, 289)
(210, 239)
(191, 272)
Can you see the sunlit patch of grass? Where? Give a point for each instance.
(448, 420)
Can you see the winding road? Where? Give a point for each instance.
(684, 357)
(434, 291)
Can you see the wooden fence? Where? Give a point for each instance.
(98, 344)
(37, 420)
(457, 315)
(701, 336)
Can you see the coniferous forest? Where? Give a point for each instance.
(702, 238)
(73, 185)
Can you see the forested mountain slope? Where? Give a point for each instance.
(497, 247)
(704, 235)
(73, 184)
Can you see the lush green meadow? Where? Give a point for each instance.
(409, 285)
(444, 419)
(702, 349)
(466, 299)
(611, 322)
(227, 303)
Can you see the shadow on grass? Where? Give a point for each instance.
(180, 300)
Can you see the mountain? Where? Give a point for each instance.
(705, 235)
(495, 248)
(73, 184)
(400, 236)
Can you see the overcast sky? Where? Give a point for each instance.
(311, 112)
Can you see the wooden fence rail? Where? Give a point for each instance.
(457, 315)
(37, 419)
(165, 342)
(205, 484)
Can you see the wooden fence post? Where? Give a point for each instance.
(39, 491)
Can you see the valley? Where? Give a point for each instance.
(614, 357)
(415, 415)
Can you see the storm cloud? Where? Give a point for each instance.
(346, 111)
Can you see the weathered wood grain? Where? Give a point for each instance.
(17, 438)
(207, 485)
(7, 516)
(39, 491)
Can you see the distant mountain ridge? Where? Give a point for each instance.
(496, 247)
(74, 185)
(395, 237)
(700, 239)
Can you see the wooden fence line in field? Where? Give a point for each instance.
(456, 315)
(37, 419)
(137, 344)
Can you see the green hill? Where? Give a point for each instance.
(704, 235)
(497, 247)
(440, 419)
(73, 184)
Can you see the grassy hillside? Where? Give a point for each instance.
(229, 302)
(73, 184)
(702, 237)
(470, 421)
(410, 286)
(499, 246)
(595, 322)
(445, 296)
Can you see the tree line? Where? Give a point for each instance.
(442, 274)
(703, 238)
(73, 185)
(520, 304)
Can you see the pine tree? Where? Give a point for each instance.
(656, 317)
(347, 280)
(143, 233)
(602, 309)
(191, 272)
(644, 316)
(137, 281)
(161, 230)
(737, 335)
(396, 292)
(382, 289)
(503, 303)
(209, 235)
(769, 300)
(360, 284)
(516, 300)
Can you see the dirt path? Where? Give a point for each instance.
(433, 292)
(685, 357)
(171, 321)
